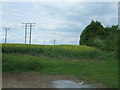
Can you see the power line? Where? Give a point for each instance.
(31, 25)
(6, 29)
(28, 26)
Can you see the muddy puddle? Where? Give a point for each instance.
(69, 84)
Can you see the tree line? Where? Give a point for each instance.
(105, 38)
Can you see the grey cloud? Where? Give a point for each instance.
(61, 21)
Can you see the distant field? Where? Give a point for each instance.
(87, 63)
(54, 51)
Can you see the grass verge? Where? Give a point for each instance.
(102, 71)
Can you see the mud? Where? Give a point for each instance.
(31, 80)
(35, 80)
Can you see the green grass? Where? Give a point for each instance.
(87, 63)
(104, 72)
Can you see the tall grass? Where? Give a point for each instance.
(54, 51)
(16, 63)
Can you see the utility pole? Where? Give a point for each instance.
(31, 25)
(26, 26)
(43, 42)
(6, 29)
(54, 42)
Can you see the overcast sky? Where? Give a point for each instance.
(63, 22)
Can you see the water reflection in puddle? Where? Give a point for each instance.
(69, 84)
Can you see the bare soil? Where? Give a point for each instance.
(32, 80)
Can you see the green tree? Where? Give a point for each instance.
(98, 36)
